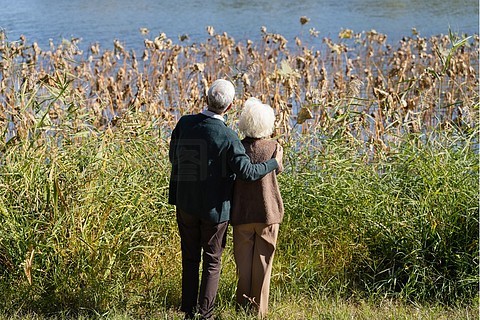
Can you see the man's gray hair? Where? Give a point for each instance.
(220, 95)
(257, 120)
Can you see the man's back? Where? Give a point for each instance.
(206, 157)
(201, 180)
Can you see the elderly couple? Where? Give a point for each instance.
(217, 179)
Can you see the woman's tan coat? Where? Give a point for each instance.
(258, 201)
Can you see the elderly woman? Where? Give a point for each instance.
(257, 211)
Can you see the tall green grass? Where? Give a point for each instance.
(402, 226)
(85, 227)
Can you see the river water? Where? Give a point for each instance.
(105, 20)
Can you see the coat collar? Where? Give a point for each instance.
(211, 114)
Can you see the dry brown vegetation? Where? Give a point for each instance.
(358, 84)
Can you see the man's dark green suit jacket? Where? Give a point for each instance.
(206, 158)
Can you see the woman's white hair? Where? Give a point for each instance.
(220, 95)
(257, 120)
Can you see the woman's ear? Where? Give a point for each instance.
(229, 106)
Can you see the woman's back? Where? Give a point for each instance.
(258, 201)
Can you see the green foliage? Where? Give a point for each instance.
(81, 225)
(404, 225)
(85, 226)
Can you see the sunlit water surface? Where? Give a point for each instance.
(105, 20)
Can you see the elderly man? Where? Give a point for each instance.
(206, 158)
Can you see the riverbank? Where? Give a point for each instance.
(380, 187)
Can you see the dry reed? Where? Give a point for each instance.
(359, 85)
